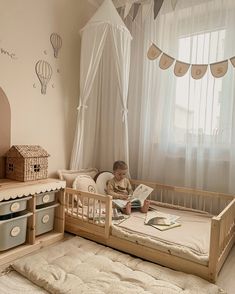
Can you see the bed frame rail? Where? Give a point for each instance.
(86, 210)
(222, 238)
(191, 199)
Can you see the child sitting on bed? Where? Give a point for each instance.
(120, 187)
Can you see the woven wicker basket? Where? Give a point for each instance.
(26, 163)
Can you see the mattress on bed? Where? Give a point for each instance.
(82, 266)
(191, 240)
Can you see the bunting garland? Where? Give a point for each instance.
(218, 69)
(135, 4)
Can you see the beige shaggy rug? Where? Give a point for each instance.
(81, 266)
(14, 283)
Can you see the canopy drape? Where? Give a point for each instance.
(101, 135)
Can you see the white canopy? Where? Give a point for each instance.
(101, 135)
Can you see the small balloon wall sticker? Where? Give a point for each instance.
(56, 42)
(44, 73)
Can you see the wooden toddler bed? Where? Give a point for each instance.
(86, 218)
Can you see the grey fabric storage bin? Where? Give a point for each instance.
(45, 219)
(44, 198)
(7, 207)
(13, 230)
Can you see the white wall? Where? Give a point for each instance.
(25, 29)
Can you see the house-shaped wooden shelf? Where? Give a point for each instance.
(26, 163)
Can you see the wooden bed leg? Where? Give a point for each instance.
(214, 249)
(108, 217)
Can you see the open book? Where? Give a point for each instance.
(137, 199)
(161, 221)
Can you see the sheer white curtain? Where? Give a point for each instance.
(181, 130)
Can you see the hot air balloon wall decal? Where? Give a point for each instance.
(44, 73)
(56, 42)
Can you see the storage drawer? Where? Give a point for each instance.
(12, 206)
(44, 198)
(45, 219)
(13, 230)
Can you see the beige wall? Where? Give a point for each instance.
(25, 29)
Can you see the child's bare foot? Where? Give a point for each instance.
(145, 207)
(127, 209)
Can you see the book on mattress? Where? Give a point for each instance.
(168, 227)
(137, 199)
(161, 221)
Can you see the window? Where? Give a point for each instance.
(11, 167)
(36, 168)
(197, 112)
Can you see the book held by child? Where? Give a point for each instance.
(137, 199)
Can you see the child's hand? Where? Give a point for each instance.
(124, 197)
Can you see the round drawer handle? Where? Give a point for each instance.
(15, 231)
(45, 218)
(46, 198)
(15, 206)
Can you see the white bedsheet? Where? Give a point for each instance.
(81, 266)
(191, 240)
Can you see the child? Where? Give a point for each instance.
(120, 187)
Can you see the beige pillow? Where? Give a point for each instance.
(70, 175)
(86, 184)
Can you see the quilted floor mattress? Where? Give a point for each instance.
(82, 266)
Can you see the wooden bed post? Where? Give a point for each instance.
(214, 248)
(108, 216)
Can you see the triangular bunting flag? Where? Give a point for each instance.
(233, 61)
(181, 68)
(153, 52)
(157, 6)
(127, 9)
(198, 71)
(119, 10)
(219, 69)
(165, 61)
(136, 9)
(173, 4)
